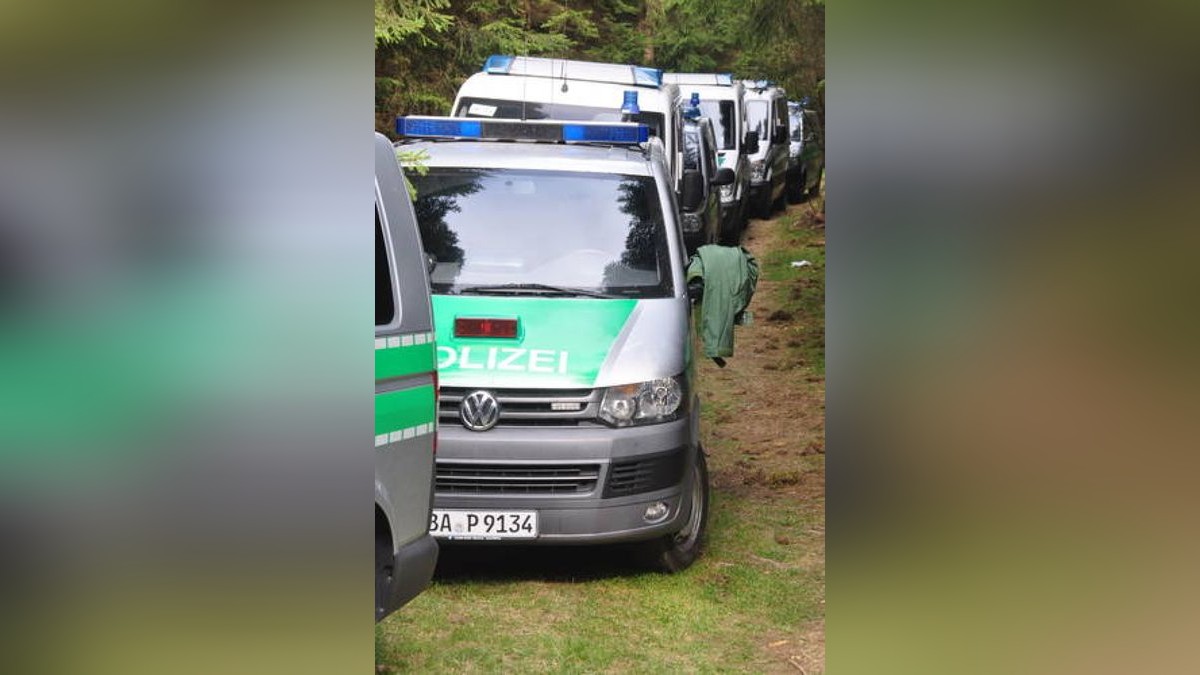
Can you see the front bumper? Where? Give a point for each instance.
(587, 517)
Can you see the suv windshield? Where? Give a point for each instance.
(574, 231)
(721, 114)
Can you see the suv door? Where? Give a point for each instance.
(405, 394)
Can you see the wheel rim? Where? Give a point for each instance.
(691, 531)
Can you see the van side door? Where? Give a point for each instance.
(405, 363)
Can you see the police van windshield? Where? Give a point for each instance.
(493, 230)
(721, 114)
(757, 117)
(531, 110)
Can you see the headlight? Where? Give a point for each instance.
(691, 222)
(727, 193)
(643, 403)
(758, 170)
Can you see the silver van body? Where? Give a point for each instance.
(405, 394)
(702, 224)
(524, 87)
(722, 100)
(767, 114)
(527, 438)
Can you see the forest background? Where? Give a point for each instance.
(424, 49)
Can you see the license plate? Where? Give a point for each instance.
(484, 524)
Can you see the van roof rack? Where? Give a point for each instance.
(533, 66)
(544, 131)
(699, 79)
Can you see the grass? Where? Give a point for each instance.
(752, 603)
(803, 303)
(713, 616)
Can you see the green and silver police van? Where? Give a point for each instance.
(568, 408)
(405, 394)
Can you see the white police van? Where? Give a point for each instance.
(767, 119)
(533, 88)
(568, 409)
(721, 100)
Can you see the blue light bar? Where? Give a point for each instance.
(544, 131)
(606, 133)
(439, 128)
(497, 64)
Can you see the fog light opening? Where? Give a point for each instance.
(656, 512)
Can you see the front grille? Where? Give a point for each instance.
(644, 474)
(529, 407)
(532, 479)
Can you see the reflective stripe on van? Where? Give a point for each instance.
(404, 414)
(403, 355)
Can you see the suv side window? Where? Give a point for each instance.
(385, 301)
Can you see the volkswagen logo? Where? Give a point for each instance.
(479, 411)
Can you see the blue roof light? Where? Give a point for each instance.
(498, 64)
(606, 133)
(630, 105)
(446, 128)
(652, 77)
(692, 111)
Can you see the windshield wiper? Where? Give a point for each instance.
(534, 289)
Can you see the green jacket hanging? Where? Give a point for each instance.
(729, 275)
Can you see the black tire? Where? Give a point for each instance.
(795, 189)
(729, 233)
(676, 552)
(731, 229)
(780, 203)
(762, 205)
(816, 188)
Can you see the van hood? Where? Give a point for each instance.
(561, 343)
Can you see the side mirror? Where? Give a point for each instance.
(725, 176)
(693, 190)
(430, 262)
(750, 144)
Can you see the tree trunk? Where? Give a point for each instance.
(648, 27)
